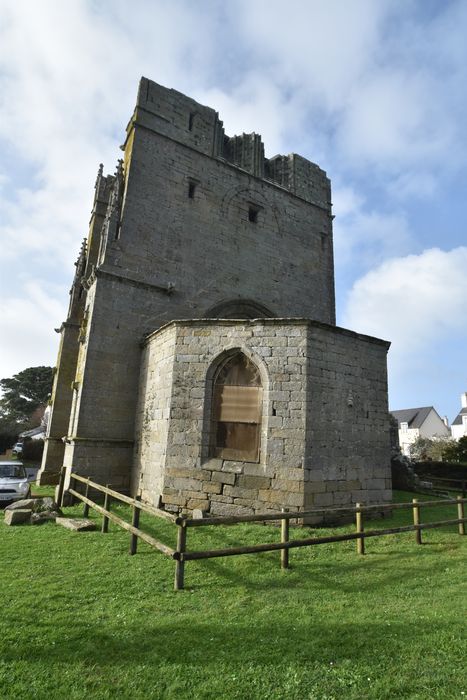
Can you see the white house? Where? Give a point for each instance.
(459, 424)
(37, 433)
(419, 422)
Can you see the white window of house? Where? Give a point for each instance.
(404, 427)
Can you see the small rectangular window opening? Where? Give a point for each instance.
(191, 120)
(191, 190)
(253, 214)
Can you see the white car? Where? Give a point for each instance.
(14, 484)
(18, 448)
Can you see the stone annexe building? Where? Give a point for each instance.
(255, 400)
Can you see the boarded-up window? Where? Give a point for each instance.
(237, 410)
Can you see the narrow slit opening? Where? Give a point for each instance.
(253, 215)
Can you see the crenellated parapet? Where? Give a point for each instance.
(246, 152)
(184, 120)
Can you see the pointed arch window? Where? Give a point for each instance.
(237, 410)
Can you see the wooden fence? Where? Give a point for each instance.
(181, 554)
(446, 483)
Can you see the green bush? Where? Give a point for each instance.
(448, 470)
(7, 440)
(32, 450)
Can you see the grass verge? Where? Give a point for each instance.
(81, 618)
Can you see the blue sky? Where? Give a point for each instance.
(374, 92)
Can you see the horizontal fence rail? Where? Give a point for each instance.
(301, 515)
(123, 524)
(147, 507)
(449, 484)
(112, 495)
(182, 555)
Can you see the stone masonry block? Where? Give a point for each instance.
(323, 499)
(174, 500)
(223, 478)
(248, 503)
(233, 467)
(253, 482)
(200, 504)
(286, 485)
(237, 492)
(19, 516)
(250, 469)
(230, 509)
(184, 484)
(187, 473)
(221, 499)
(316, 486)
(212, 487)
(281, 498)
(292, 474)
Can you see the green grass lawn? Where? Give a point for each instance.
(82, 619)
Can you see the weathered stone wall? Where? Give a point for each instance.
(192, 222)
(154, 414)
(164, 254)
(205, 245)
(324, 429)
(348, 447)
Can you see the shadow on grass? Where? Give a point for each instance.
(360, 576)
(202, 644)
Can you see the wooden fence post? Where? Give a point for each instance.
(61, 487)
(86, 506)
(73, 499)
(416, 520)
(135, 523)
(284, 538)
(460, 515)
(105, 519)
(359, 528)
(179, 563)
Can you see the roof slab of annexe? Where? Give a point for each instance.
(245, 322)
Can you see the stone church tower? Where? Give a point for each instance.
(200, 363)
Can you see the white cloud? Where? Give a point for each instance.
(421, 184)
(364, 237)
(256, 106)
(418, 303)
(355, 86)
(346, 201)
(392, 119)
(28, 321)
(68, 80)
(367, 77)
(322, 47)
(415, 302)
